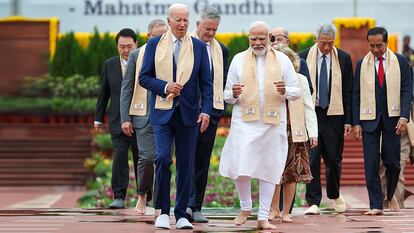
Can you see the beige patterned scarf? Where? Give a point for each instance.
(217, 57)
(335, 102)
(164, 64)
(367, 82)
(139, 99)
(297, 117)
(250, 97)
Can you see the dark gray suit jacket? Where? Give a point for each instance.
(111, 80)
(127, 91)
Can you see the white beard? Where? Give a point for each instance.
(259, 53)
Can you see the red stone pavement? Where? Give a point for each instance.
(59, 214)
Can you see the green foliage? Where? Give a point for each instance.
(73, 105)
(10, 104)
(237, 45)
(302, 46)
(229, 110)
(141, 40)
(75, 86)
(103, 142)
(69, 57)
(100, 48)
(37, 86)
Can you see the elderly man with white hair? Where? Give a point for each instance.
(259, 81)
(177, 72)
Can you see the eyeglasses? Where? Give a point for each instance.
(273, 37)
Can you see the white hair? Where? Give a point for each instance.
(259, 24)
(209, 13)
(176, 6)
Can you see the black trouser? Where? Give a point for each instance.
(120, 167)
(390, 155)
(330, 148)
(205, 144)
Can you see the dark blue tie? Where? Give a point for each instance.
(323, 85)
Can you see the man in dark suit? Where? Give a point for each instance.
(391, 92)
(175, 108)
(133, 121)
(206, 28)
(112, 75)
(331, 76)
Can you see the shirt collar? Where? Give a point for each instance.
(123, 61)
(383, 57)
(174, 38)
(320, 54)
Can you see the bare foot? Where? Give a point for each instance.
(274, 213)
(242, 217)
(393, 204)
(374, 212)
(141, 204)
(286, 218)
(265, 225)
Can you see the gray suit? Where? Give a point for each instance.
(142, 127)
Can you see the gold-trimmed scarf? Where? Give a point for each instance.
(297, 117)
(164, 64)
(218, 69)
(139, 99)
(335, 103)
(367, 89)
(250, 97)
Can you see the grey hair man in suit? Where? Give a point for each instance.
(136, 121)
(206, 27)
(112, 75)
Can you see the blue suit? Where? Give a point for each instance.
(385, 126)
(178, 124)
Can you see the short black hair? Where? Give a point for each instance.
(378, 31)
(126, 32)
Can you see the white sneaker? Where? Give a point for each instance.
(163, 221)
(312, 210)
(340, 205)
(183, 223)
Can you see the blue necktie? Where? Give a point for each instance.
(177, 50)
(323, 85)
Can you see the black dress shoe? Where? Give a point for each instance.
(117, 204)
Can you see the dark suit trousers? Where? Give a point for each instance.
(120, 167)
(185, 139)
(330, 147)
(145, 167)
(205, 143)
(391, 158)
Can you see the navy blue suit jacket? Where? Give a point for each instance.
(199, 85)
(381, 99)
(304, 70)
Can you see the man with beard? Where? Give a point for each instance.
(259, 81)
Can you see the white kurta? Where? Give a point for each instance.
(253, 148)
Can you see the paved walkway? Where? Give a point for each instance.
(48, 210)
